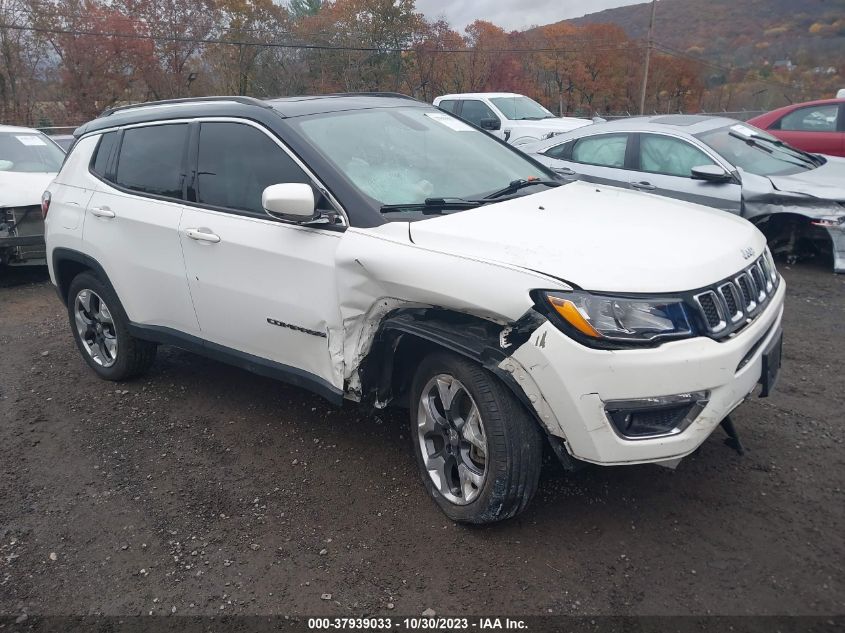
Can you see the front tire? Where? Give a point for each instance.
(101, 330)
(478, 450)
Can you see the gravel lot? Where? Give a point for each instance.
(203, 489)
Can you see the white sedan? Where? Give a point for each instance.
(29, 160)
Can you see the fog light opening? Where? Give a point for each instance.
(648, 418)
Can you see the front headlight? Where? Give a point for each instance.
(607, 321)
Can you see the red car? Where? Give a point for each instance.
(816, 126)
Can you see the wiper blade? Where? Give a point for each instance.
(433, 206)
(779, 143)
(516, 185)
(761, 142)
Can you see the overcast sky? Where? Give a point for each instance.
(513, 14)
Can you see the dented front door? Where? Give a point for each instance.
(265, 288)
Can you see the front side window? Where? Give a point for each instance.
(150, 159)
(521, 109)
(810, 119)
(29, 152)
(605, 150)
(474, 111)
(670, 156)
(404, 155)
(236, 162)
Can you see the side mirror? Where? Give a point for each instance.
(490, 124)
(710, 173)
(291, 201)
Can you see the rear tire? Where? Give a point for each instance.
(101, 330)
(478, 450)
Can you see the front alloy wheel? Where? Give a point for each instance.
(452, 440)
(477, 447)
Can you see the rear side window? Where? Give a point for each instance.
(104, 150)
(606, 150)
(150, 159)
(450, 105)
(562, 151)
(236, 162)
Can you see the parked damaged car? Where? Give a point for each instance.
(29, 160)
(379, 250)
(796, 198)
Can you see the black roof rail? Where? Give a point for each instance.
(331, 95)
(235, 98)
(395, 95)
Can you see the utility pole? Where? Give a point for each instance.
(649, 46)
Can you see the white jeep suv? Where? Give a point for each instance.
(376, 249)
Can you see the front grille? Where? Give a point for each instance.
(732, 304)
(709, 306)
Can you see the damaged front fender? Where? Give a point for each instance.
(796, 223)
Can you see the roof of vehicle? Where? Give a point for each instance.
(16, 128)
(248, 107)
(479, 95)
(676, 123)
(684, 123)
(793, 106)
(772, 115)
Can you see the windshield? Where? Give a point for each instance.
(756, 152)
(409, 154)
(521, 109)
(29, 152)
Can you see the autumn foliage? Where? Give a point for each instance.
(64, 61)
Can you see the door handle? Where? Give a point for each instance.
(643, 186)
(202, 235)
(102, 212)
(564, 171)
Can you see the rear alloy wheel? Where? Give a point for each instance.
(101, 330)
(478, 450)
(95, 327)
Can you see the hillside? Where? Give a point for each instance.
(745, 33)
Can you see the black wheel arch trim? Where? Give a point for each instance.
(472, 337)
(61, 255)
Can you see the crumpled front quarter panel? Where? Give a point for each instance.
(380, 270)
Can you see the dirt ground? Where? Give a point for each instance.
(203, 489)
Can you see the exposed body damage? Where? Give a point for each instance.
(382, 274)
(801, 215)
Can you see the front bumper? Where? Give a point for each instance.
(570, 384)
(837, 240)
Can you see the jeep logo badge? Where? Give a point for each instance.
(747, 253)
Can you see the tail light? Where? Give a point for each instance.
(45, 204)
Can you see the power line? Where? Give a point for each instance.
(325, 47)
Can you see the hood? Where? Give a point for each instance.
(826, 182)
(600, 238)
(20, 189)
